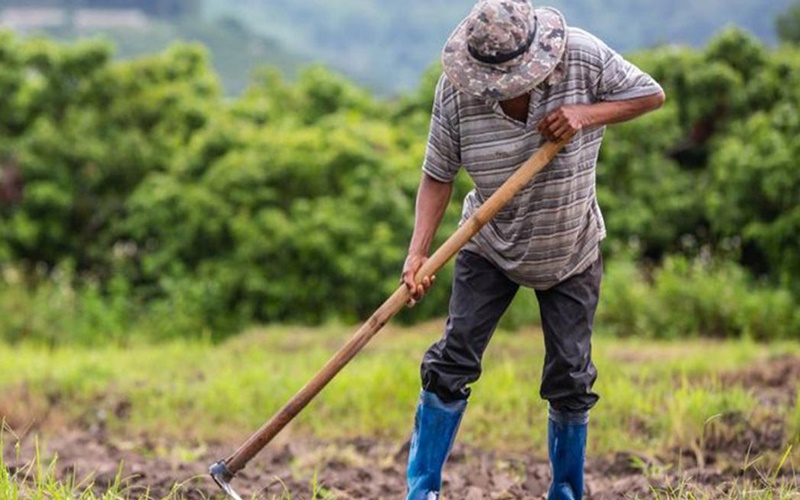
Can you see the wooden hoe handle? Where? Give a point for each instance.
(392, 306)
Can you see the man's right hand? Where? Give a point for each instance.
(410, 268)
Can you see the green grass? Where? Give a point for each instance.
(38, 481)
(673, 389)
(655, 396)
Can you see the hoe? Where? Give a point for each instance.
(224, 471)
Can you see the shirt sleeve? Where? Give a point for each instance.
(619, 79)
(443, 151)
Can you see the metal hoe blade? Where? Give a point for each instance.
(222, 476)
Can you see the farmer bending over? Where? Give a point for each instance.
(514, 76)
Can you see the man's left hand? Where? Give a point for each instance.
(564, 122)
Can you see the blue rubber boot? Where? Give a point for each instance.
(566, 439)
(435, 427)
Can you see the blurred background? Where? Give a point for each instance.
(199, 199)
(384, 46)
(187, 168)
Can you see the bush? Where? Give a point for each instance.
(55, 311)
(683, 298)
(690, 298)
(151, 202)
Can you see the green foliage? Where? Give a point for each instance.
(756, 190)
(148, 195)
(788, 24)
(292, 203)
(94, 130)
(718, 176)
(680, 299)
(689, 298)
(61, 310)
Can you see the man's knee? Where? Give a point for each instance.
(447, 374)
(569, 390)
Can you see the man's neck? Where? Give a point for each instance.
(517, 108)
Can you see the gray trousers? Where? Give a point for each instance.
(481, 294)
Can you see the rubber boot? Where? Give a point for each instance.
(435, 426)
(566, 439)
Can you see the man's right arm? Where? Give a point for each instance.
(432, 199)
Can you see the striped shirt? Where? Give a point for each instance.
(551, 229)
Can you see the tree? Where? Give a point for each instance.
(788, 24)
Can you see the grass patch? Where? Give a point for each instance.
(657, 398)
(37, 480)
(655, 395)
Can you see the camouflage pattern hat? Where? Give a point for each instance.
(504, 48)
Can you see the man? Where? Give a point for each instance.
(514, 76)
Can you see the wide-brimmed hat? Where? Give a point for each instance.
(504, 48)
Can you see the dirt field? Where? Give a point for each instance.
(371, 469)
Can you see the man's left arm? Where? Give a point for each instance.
(569, 119)
(620, 92)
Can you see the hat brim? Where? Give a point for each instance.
(516, 77)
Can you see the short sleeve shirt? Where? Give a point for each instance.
(551, 229)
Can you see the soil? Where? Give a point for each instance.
(371, 469)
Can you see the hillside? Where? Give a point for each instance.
(138, 27)
(386, 45)
(383, 45)
(235, 50)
